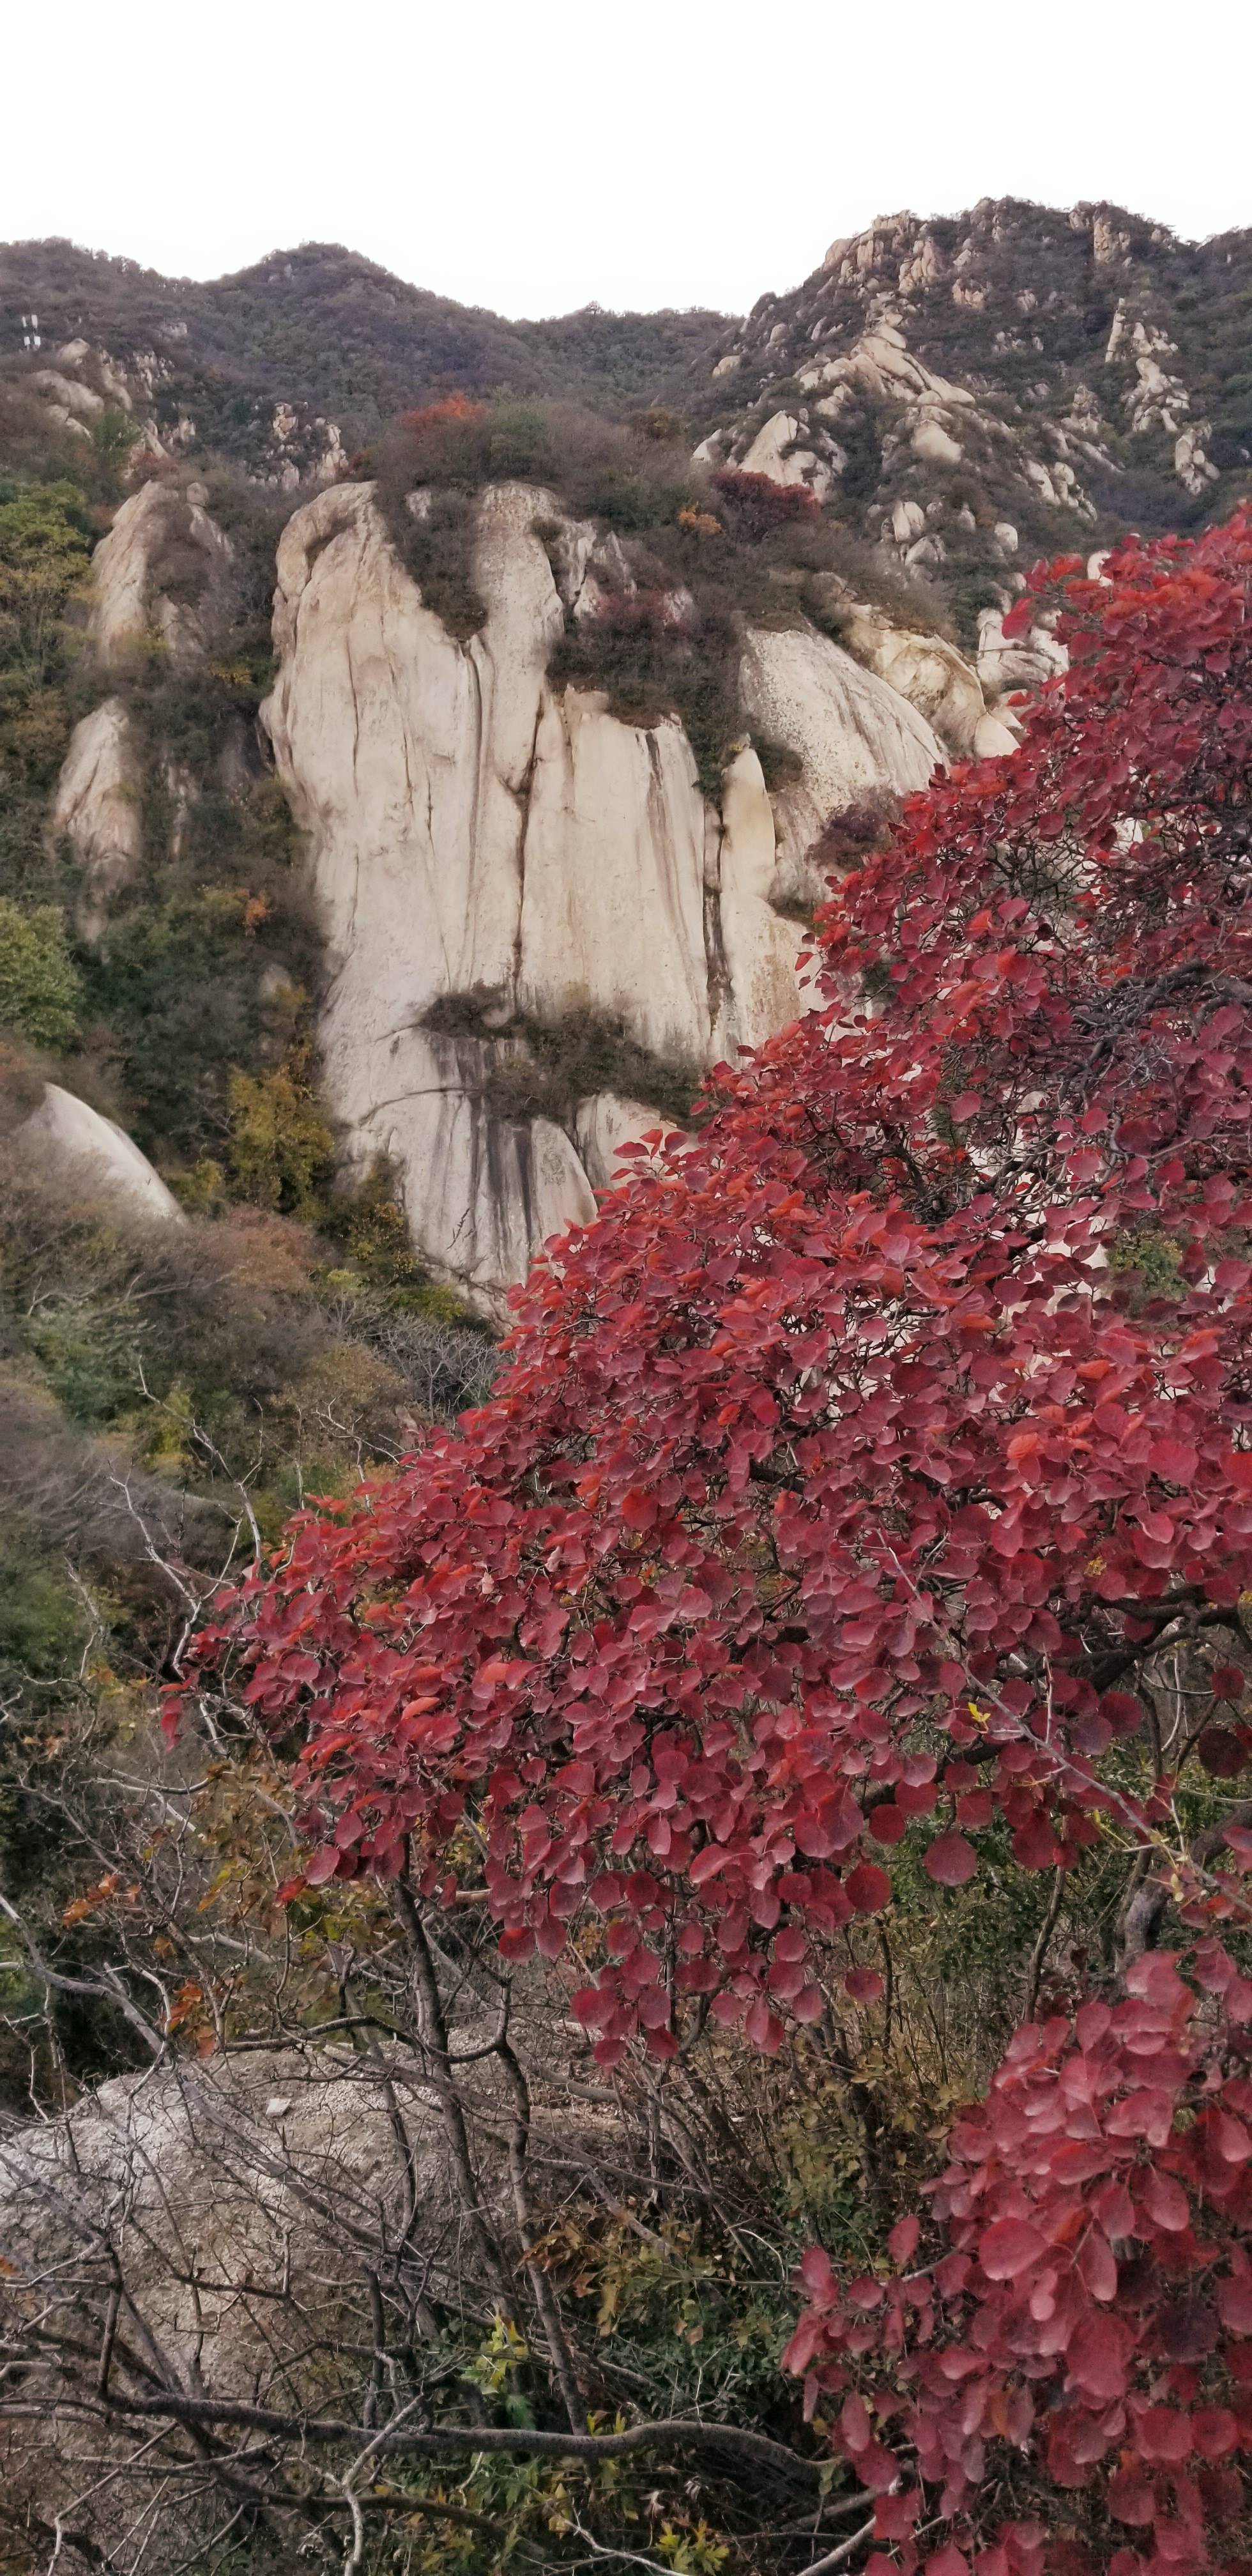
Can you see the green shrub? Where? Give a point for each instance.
(39, 990)
(652, 663)
(281, 1150)
(113, 433)
(41, 1617)
(45, 548)
(45, 533)
(437, 547)
(544, 1069)
(521, 445)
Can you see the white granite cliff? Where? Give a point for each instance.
(492, 856)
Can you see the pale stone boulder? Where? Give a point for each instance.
(481, 841)
(128, 604)
(1016, 662)
(383, 734)
(926, 670)
(408, 760)
(490, 855)
(854, 736)
(1191, 465)
(97, 1156)
(775, 452)
(995, 735)
(933, 442)
(76, 353)
(908, 521)
(97, 808)
(68, 401)
(759, 944)
(483, 1192)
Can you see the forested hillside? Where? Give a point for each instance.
(330, 332)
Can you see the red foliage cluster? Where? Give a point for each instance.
(1095, 2302)
(645, 612)
(851, 1474)
(452, 409)
(755, 504)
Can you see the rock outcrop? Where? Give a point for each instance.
(97, 808)
(494, 858)
(161, 571)
(160, 576)
(932, 675)
(973, 392)
(853, 736)
(97, 1157)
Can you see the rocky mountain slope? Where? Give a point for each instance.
(975, 390)
(253, 366)
(515, 834)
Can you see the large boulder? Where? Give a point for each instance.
(96, 1156)
(854, 739)
(162, 571)
(533, 912)
(97, 808)
(931, 674)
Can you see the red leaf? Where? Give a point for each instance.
(1098, 2269)
(868, 1888)
(1228, 1682)
(854, 2424)
(951, 1861)
(1130, 2497)
(1163, 2433)
(816, 2272)
(1097, 2355)
(1234, 2303)
(1222, 1752)
(865, 1985)
(1165, 2201)
(1009, 2247)
(1175, 1460)
(763, 2027)
(888, 1823)
(323, 1865)
(1214, 2432)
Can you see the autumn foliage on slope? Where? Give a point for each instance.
(879, 1464)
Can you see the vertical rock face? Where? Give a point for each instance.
(163, 568)
(96, 808)
(512, 878)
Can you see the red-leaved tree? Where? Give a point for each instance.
(880, 1462)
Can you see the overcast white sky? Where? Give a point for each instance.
(656, 152)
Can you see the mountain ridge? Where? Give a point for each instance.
(323, 326)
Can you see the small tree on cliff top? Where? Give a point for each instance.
(878, 1463)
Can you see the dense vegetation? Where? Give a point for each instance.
(592, 1868)
(323, 328)
(165, 1394)
(692, 555)
(809, 1697)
